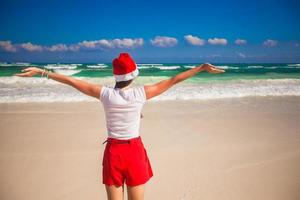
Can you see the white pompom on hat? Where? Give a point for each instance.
(124, 68)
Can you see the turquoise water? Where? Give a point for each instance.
(233, 71)
(239, 80)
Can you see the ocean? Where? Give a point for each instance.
(239, 80)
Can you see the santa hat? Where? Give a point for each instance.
(124, 68)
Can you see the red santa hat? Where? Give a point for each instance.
(124, 68)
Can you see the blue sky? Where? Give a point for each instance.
(152, 31)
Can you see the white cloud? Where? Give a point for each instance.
(241, 54)
(240, 41)
(163, 41)
(194, 40)
(96, 44)
(58, 47)
(270, 43)
(128, 43)
(63, 47)
(105, 43)
(217, 41)
(31, 47)
(7, 46)
(88, 44)
(74, 47)
(115, 43)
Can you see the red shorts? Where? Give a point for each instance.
(125, 161)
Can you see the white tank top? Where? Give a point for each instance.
(123, 110)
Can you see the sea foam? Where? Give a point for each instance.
(17, 64)
(294, 65)
(168, 67)
(34, 89)
(61, 66)
(98, 66)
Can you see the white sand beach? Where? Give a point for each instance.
(229, 149)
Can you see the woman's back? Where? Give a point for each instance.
(123, 110)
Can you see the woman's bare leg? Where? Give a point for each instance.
(136, 192)
(114, 193)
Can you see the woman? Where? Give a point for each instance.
(125, 159)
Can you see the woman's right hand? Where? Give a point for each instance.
(212, 69)
(29, 71)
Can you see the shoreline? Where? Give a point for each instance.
(151, 101)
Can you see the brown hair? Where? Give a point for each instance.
(122, 84)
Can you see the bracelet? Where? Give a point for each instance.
(43, 72)
(48, 74)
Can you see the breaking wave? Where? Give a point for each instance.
(17, 89)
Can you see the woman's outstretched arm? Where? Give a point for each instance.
(162, 86)
(90, 89)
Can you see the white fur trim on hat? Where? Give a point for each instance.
(126, 77)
